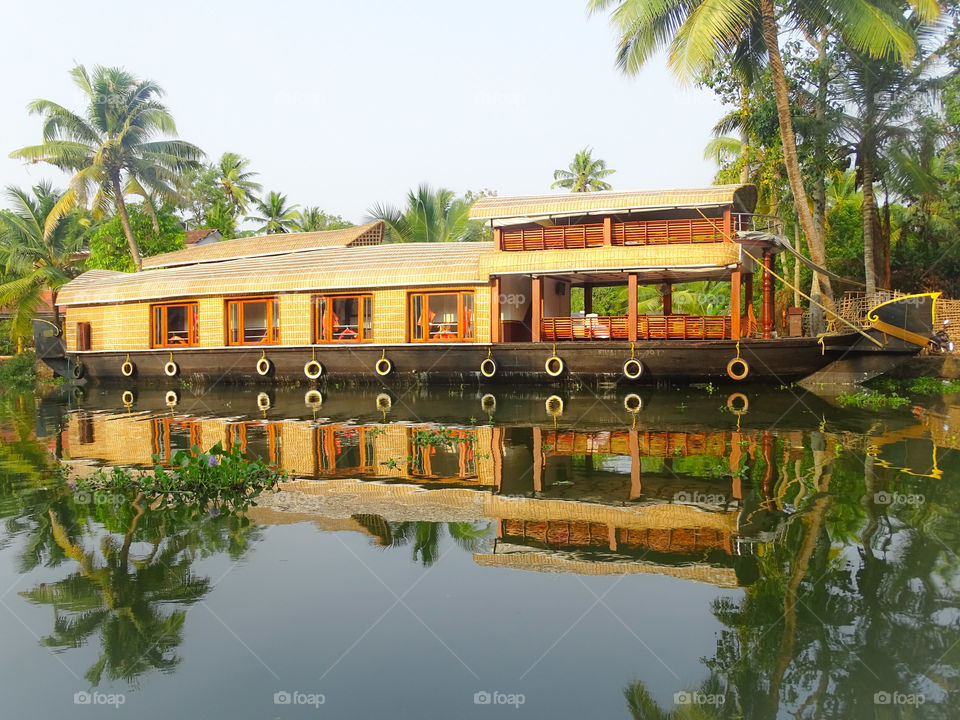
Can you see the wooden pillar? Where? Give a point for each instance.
(536, 317)
(728, 224)
(587, 299)
(735, 306)
(767, 309)
(496, 450)
(666, 293)
(608, 231)
(538, 459)
(495, 310)
(497, 239)
(631, 307)
(636, 479)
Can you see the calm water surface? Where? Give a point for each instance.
(446, 555)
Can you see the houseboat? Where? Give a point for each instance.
(343, 305)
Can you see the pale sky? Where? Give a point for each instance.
(343, 105)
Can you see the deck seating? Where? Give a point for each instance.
(649, 327)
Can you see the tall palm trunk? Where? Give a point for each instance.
(819, 192)
(815, 241)
(125, 220)
(869, 223)
(744, 134)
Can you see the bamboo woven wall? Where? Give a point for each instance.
(612, 258)
(127, 327)
(541, 562)
(112, 327)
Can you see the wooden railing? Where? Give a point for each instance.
(640, 232)
(649, 327)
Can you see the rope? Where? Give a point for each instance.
(746, 252)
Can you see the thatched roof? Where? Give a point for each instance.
(264, 245)
(742, 197)
(331, 268)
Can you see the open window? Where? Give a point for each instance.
(254, 322)
(175, 325)
(343, 318)
(441, 317)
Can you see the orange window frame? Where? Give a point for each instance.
(193, 330)
(424, 320)
(323, 321)
(272, 335)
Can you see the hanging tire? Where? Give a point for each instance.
(171, 369)
(488, 403)
(553, 366)
(384, 403)
(738, 369)
(632, 369)
(734, 407)
(313, 398)
(264, 367)
(127, 397)
(263, 401)
(383, 367)
(313, 370)
(171, 398)
(128, 369)
(633, 403)
(554, 406)
(488, 368)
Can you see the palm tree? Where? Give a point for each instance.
(697, 34)
(430, 216)
(313, 219)
(34, 258)
(237, 181)
(109, 145)
(275, 214)
(584, 174)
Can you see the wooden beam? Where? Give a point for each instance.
(536, 319)
(767, 309)
(498, 238)
(735, 304)
(728, 224)
(631, 307)
(587, 299)
(495, 310)
(666, 294)
(636, 479)
(496, 449)
(538, 459)
(608, 231)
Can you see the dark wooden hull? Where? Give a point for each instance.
(781, 360)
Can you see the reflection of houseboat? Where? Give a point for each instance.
(342, 305)
(591, 502)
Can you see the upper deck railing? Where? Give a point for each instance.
(673, 231)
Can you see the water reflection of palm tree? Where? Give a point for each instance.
(125, 598)
(425, 536)
(710, 700)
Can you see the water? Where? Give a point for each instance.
(447, 555)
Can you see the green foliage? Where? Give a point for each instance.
(276, 214)
(430, 216)
(313, 219)
(39, 252)
(217, 476)
(584, 174)
(108, 243)
(872, 400)
(112, 144)
(17, 374)
(917, 387)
